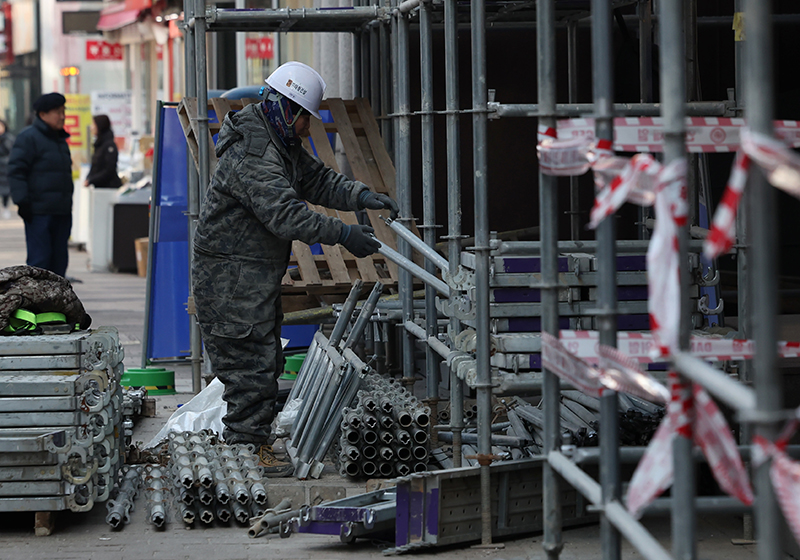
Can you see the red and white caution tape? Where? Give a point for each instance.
(700, 419)
(781, 164)
(723, 230)
(782, 167)
(636, 182)
(655, 471)
(621, 373)
(663, 259)
(784, 474)
(703, 134)
(639, 347)
(713, 435)
(565, 365)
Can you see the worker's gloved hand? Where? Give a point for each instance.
(376, 201)
(358, 240)
(24, 211)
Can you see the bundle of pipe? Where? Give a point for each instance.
(213, 480)
(119, 508)
(157, 487)
(385, 434)
(328, 382)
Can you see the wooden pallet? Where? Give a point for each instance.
(313, 277)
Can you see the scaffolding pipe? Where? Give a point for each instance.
(402, 146)
(194, 201)
(427, 247)
(606, 316)
(628, 246)
(577, 110)
(732, 393)
(481, 189)
(630, 527)
(453, 204)
(410, 267)
(433, 343)
(673, 96)
(548, 224)
(759, 93)
(572, 71)
(221, 19)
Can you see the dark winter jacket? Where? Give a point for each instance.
(252, 211)
(103, 173)
(40, 170)
(6, 143)
(39, 291)
(254, 206)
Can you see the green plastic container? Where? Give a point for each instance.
(157, 381)
(293, 365)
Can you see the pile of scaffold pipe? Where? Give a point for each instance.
(385, 434)
(328, 382)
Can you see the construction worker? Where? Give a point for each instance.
(252, 212)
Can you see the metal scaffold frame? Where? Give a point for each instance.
(382, 31)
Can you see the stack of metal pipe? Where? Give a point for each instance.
(385, 434)
(132, 400)
(123, 496)
(326, 384)
(60, 420)
(212, 480)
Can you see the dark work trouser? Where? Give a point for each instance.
(47, 238)
(239, 311)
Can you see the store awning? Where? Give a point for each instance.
(116, 16)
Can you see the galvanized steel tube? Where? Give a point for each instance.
(482, 249)
(603, 94)
(673, 95)
(347, 311)
(759, 93)
(426, 247)
(453, 202)
(410, 267)
(548, 227)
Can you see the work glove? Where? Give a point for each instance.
(24, 211)
(358, 240)
(376, 201)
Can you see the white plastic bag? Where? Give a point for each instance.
(286, 417)
(204, 411)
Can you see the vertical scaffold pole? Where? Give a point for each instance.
(603, 86)
(402, 146)
(481, 189)
(453, 205)
(759, 94)
(673, 107)
(429, 204)
(548, 228)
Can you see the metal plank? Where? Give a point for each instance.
(44, 385)
(38, 404)
(31, 472)
(33, 488)
(50, 503)
(30, 419)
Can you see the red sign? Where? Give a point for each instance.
(259, 48)
(6, 54)
(100, 50)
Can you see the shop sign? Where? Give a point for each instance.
(263, 47)
(100, 50)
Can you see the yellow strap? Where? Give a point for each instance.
(50, 317)
(21, 320)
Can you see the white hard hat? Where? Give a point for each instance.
(300, 83)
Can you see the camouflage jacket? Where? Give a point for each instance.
(254, 205)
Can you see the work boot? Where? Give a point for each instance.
(272, 467)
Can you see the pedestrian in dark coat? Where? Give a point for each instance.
(40, 176)
(6, 143)
(103, 173)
